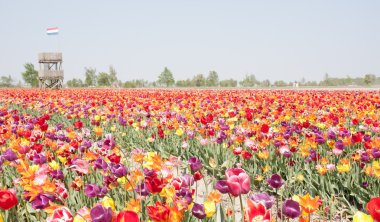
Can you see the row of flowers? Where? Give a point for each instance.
(70, 156)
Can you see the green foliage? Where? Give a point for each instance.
(75, 83)
(249, 81)
(30, 75)
(228, 83)
(104, 79)
(212, 79)
(166, 78)
(265, 83)
(184, 83)
(280, 83)
(112, 75)
(6, 81)
(90, 77)
(137, 83)
(199, 80)
(369, 79)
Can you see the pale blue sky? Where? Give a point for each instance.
(284, 39)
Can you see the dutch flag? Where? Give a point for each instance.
(52, 31)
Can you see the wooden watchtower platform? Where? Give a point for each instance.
(50, 74)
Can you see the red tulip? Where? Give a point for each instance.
(61, 214)
(264, 128)
(155, 184)
(256, 212)
(158, 213)
(238, 181)
(8, 199)
(198, 176)
(373, 207)
(78, 125)
(127, 216)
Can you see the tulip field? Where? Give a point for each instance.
(170, 155)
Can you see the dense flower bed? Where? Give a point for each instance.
(177, 155)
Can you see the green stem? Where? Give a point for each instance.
(276, 205)
(241, 208)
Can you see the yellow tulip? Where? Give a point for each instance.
(210, 208)
(108, 202)
(362, 217)
(168, 193)
(179, 132)
(343, 168)
(77, 218)
(54, 165)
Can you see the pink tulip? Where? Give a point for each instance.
(238, 181)
(80, 166)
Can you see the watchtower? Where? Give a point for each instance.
(50, 74)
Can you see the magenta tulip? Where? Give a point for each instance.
(238, 181)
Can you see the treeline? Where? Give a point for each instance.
(166, 79)
(92, 78)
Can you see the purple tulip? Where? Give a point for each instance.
(375, 153)
(364, 157)
(319, 139)
(59, 126)
(198, 211)
(291, 209)
(142, 190)
(186, 194)
(339, 145)
(119, 170)
(102, 192)
(91, 190)
(57, 174)
(100, 164)
(275, 181)
(149, 173)
(87, 143)
(222, 186)
(41, 201)
(109, 142)
(331, 135)
(39, 159)
(101, 214)
(9, 155)
(264, 199)
(195, 164)
(366, 137)
(188, 180)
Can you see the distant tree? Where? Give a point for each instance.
(184, 83)
(166, 78)
(249, 81)
(129, 84)
(30, 75)
(137, 83)
(265, 83)
(74, 83)
(6, 81)
(280, 83)
(311, 83)
(104, 79)
(112, 75)
(369, 79)
(212, 79)
(90, 77)
(228, 83)
(199, 80)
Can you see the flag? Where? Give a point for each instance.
(52, 31)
